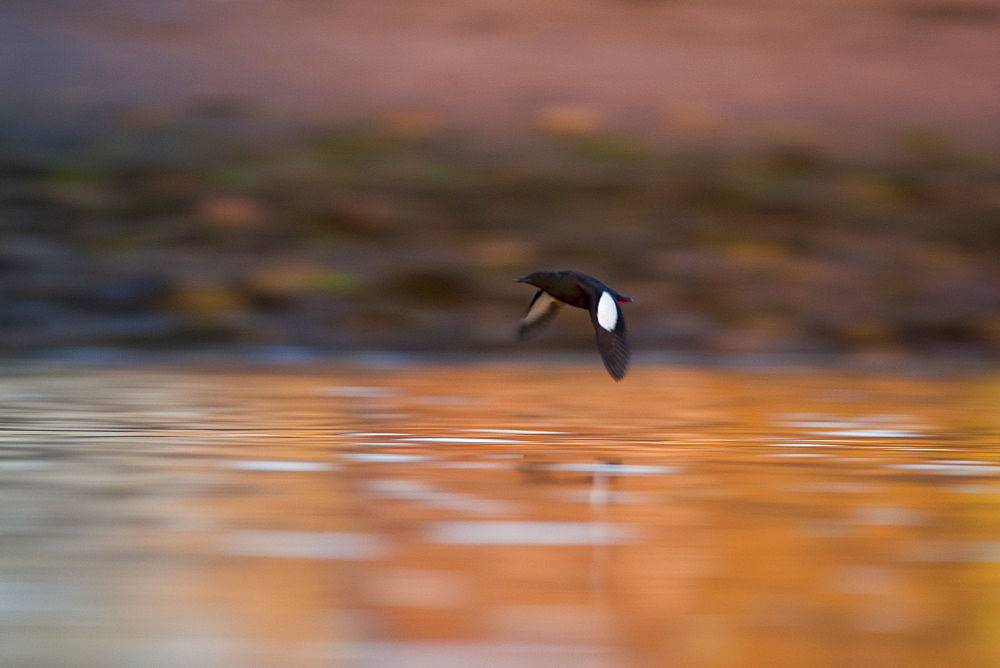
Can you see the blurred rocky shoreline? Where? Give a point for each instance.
(378, 236)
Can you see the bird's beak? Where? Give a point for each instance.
(523, 279)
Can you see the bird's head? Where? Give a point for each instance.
(540, 279)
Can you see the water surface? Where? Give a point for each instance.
(494, 515)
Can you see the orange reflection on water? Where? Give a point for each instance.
(497, 515)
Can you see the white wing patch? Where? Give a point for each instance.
(607, 311)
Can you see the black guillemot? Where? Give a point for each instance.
(576, 289)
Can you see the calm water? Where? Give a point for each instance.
(492, 515)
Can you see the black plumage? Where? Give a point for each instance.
(557, 288)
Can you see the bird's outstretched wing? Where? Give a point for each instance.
(541, 311)
(609, 324)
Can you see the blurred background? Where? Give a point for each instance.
(314, 176)
(356, 185)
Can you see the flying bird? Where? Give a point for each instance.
(557, 288)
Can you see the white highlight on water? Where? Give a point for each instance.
(412, 490)
(302, 544)
(531, 533)
(444, 439)
(514, 431)
(247, 465)
(615, 469)
(385, 457)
